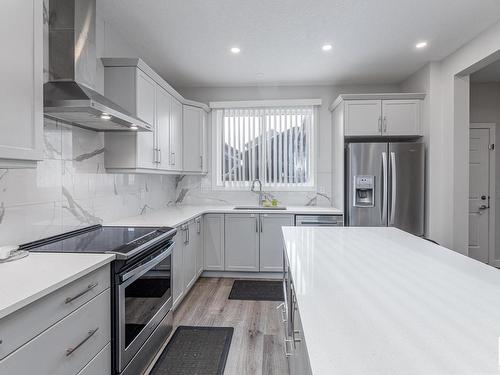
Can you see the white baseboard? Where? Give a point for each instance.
(243, 275)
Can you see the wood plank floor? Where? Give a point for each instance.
(257, 345)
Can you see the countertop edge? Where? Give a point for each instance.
(53, 287)
(229, 210)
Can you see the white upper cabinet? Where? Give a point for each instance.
(175, 155)
(401, 117)
(134, 86)
(162, 128)
(194, 134)
(21, 77)
(363, 117)
(145, 97)
(380, 115)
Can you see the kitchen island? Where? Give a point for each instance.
(382, 301)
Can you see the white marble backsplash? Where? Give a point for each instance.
(70, 189)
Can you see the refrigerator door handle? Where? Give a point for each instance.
(393, 187)
(384, 189)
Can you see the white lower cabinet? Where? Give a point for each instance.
(271, 241)
(197, 239)
(177, 268)
(213, 242)
(298, 361)
(67, 346)
(101, 364)
(189, 256)
(241, 240)
(186, 263)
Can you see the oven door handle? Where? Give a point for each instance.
(139, 271)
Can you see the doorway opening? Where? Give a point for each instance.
(484, 168)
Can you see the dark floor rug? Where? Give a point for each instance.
(257, 290)
(195, 351)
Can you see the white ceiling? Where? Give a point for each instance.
(490, 73)
(188, 41)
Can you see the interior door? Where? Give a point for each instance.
(479, 193)
(368, 160)
(407, 187)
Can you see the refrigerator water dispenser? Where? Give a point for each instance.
(364, 191)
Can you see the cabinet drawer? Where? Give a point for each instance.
(18, 328)
(100, 364)
(68, 346)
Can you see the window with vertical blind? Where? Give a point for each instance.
(272, 144)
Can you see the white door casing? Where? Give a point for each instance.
(481, 193)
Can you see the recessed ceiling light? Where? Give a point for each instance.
(235, 50)
(421, 45)
(105, 116)
(133, 127)
(326, 47)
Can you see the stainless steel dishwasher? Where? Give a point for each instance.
(319, 220)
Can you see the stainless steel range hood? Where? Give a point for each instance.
(72, 67)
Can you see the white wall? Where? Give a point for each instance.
(449, 136)
(424, 80)
(485, 107)
(324, 156)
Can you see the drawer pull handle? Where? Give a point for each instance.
(89, 288)
(89, 335)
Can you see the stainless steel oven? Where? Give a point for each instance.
(143, 298)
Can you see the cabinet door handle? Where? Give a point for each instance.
(198, 222)
(201, 161)
(285, 342)
(385, 124)
(256, 225)
(89, 288)
(91, 333)
(172, 158)
(159, 156)
(380, 124)
(260, 225)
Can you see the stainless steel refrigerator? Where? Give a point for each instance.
(385, 185)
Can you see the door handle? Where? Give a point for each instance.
(380, 124)
(385, 124)
(384, 188)
(394, 187)
(256, 225)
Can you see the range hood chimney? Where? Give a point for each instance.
(69, 95)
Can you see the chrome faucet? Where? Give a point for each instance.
(261, 195)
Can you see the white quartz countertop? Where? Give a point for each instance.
(25, 280)
(176, 215)
(382, 301)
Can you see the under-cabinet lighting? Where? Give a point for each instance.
(326, 47)
(106, 116)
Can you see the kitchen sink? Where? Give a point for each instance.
(272, 208)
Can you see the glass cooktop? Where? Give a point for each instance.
(98, 239)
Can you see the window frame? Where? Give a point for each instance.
(217, 134)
